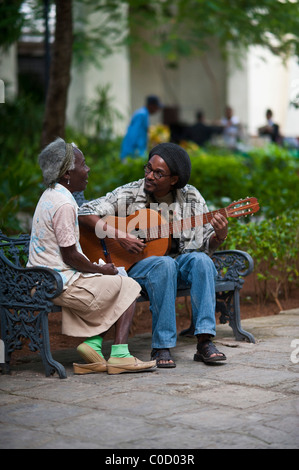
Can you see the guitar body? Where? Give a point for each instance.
(150, 226)
(134, 224)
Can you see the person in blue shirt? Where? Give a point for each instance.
(135, 141)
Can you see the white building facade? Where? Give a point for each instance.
(207, 83)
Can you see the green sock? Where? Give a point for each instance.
(120, 350)
(95, 342)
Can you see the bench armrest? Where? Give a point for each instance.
(15, 249)
(27, 286)
(232, 266)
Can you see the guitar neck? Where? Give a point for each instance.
(167, 229)
(194, 221)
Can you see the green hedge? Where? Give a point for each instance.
(274, 246)
(20, 176)
(270, 174)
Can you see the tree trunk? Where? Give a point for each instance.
(60, 74)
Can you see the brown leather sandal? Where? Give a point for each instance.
(205, 349)
(163, 355)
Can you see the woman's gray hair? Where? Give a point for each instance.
(55, 159)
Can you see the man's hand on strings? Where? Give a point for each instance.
(220, 225)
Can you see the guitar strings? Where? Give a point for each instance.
(178, 226)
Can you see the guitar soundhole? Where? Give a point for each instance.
(138, 233)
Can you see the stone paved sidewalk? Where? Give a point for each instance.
(249, 402)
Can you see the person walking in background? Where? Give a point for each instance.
(201, 133)
(270, 129)
(135, 141)
(231, 127)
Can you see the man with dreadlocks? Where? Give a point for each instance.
(188, 263)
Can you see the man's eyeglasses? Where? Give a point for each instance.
(157, 174)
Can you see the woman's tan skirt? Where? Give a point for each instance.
(91, 305)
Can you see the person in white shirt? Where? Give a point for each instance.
(231, 127)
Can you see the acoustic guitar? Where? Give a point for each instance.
(150, 226)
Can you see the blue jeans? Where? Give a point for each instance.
(160, 276)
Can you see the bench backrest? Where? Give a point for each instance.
(15, 248)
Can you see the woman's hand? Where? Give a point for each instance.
(76, 260)
(108, 269)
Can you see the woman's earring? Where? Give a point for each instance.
(68, 181)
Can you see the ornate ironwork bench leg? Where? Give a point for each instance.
(35, 328)
(25, 301)
(50, 364)
(228, 304)
(4, 366)
(235, 319)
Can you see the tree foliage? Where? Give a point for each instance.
(187, 26)
(174, 27)
(11, 21)
(92, 29)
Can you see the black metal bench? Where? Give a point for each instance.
(232, 266)
(26, 299)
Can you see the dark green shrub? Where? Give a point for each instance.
(220, 176)
(20, 177)
(274, 246)
(274, 179)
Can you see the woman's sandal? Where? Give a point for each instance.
(205, 349)
(163, 355)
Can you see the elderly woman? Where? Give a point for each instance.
(94, 297)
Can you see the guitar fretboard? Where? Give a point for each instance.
(178, 226)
